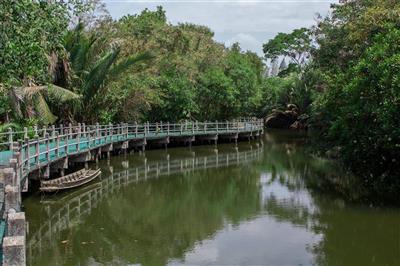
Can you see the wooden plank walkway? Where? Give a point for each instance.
(55, 143)
(40, 150)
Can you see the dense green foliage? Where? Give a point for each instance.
(358, 110)
(61, 63)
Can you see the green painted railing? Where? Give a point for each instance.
(40, 147)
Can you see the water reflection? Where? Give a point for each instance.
(252, 204)
(66, 213)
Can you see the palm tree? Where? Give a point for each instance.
(33, 101)
(95, 64)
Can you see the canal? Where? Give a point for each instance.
(265, 202)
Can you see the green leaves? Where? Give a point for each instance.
(294, 45)
(358, 58)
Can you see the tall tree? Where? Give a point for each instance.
(295, 45)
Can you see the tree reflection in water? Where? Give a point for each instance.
(257, 204)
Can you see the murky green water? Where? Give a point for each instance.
(262, 203)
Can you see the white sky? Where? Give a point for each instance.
(249, 22)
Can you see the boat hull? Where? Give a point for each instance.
(63, 183)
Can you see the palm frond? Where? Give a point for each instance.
(81, 56)
(15, 100)
(128, 62)
(60, 94)
(98, 74)
(29, 92)
(42, 110)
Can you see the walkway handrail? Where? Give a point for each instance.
(34, 152)
(10, 138)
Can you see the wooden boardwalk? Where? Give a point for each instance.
(39, 152)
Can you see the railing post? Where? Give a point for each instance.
(161, 127)
(61, 129)
(82, 130)
(88, 136)
(57, 144)
(216, 126)
(47, 140)
(78, 137)
(27, 155)
(70, 130)
(35, 130)
(156, 128)
(192, 127)
(25, 132)
(181, 125)
(53, 130)
(126, 131)
(111, 131)
(10, 139)
(205, 126)
(167, 128)
(148, 127)
(37, 150)
(227, 125)
(118, 130)
(66, 144)
(186, 124)
(136, 129)
(97, 129)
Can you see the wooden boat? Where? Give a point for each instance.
(76, 179)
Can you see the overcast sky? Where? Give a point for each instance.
(249, 22)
